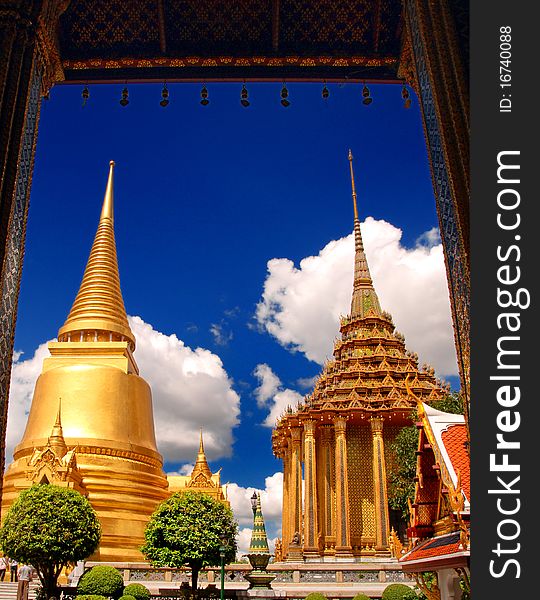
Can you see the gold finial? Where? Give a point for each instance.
(201, 464)
(107, 212)
(98, 310)
(353, 186)
(364, 298)
(56, 439)
(201, 443)
(58, 421)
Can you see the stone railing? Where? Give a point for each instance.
(341, 580)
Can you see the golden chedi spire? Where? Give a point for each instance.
(364, 297)
(98, 312)
(106, 420)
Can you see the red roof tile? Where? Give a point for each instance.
(454, 439)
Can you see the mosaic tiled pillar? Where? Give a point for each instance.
(440, 79)
(342, 527)
(29, 66)
(382, 518)
(13, 239)
(311, 530)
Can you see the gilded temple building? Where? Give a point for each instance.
(201, 479)
(337, 439)
(91, 424)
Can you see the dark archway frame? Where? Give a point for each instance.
(433, 59)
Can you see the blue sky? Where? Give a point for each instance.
(204, 198)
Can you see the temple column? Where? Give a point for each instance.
(325, 486)
(434, 60)
(294, 552)
(382, 518)
(29, 66)
(342, 527)
(311, 530)
(286, 534)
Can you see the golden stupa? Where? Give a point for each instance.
(339, 436)
(91, 424)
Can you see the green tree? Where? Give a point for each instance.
(186, 529)
(403, 449)
(50, 527)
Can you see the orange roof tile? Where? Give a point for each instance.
(435, 547)
(454, 439)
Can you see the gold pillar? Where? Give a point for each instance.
(382, 519)
(342, 528)
(311, 530)
(326, 491)
(286, 534)
(295, 488)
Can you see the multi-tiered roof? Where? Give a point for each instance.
(370, 361)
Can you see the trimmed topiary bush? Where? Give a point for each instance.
(361, 597)
(127, 597)
(138, 591)
(411, 595)
(316, 596)
(101, 580)
(395, 591)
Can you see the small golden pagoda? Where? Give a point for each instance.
(101, 441)
(201, 479)
(340, 434)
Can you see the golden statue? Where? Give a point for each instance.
(91, 424)
(341, 431)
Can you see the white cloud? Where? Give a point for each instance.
(269, 384)
(429, 238)
(183, 470)
(221, 335)
(190, 389)
(270, 394)
(300, 306)
(271, 502)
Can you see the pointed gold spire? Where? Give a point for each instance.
(56, 439)
(364, 297)
(201, 465)
(98, 313)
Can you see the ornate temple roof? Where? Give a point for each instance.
(371, 368)
(440, 512)
(447, 435)
(203, 40)
(99, 305)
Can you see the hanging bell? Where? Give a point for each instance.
(365, 93)
(164, 96)
(325, 92)
(124, 99)
(284, 96)
(204, 96)
(406, 97)
(244, 96)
